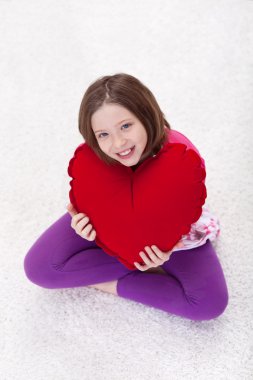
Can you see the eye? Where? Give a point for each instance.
(104, 133)
(126, 124)
(101, 134)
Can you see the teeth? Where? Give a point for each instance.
(125, 153)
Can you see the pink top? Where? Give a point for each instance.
(177, 137)
(208, 225)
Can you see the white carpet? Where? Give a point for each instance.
(196, 57)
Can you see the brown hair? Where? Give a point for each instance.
(129, 92)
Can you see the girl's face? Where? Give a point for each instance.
(119, 133)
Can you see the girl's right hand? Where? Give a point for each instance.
(79, 224)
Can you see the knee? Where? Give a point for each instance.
(213, 306)
(36, 271)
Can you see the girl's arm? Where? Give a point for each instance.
(208, 225)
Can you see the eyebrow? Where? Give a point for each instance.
(100, 130)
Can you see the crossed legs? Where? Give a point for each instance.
(190, 284)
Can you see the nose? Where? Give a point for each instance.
(119, 142)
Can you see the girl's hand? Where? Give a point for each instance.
(156, 257)
(79, 224)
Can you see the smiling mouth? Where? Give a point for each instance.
(126, 153)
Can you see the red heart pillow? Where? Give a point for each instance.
(155, 204)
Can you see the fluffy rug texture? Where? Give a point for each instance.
(196, 58)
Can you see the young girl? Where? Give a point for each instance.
(121, 121)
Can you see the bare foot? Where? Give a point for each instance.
(108, 287)
(111, 286)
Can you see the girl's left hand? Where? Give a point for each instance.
(156, 257)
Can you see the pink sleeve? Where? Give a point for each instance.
(177, 137)
(207, 227)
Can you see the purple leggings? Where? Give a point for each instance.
(194, 287)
